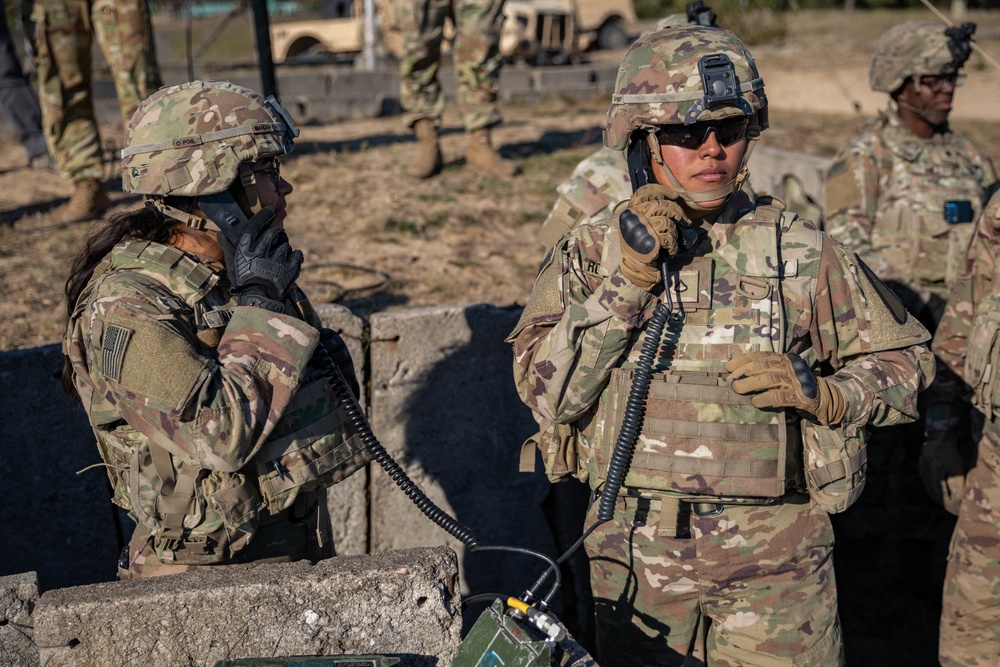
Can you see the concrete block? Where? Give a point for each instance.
(403, 603)
(18, 596)
(769, 166)
(57, 522)
(443, 404)
(348, 500)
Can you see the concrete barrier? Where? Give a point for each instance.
(445, 407)
(18, 596)
(402, 603)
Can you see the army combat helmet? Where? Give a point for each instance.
(918, 48)
(682, 75)
(201, 139)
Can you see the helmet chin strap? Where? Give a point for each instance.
(220, 211)
(936, 119)
(693, 199)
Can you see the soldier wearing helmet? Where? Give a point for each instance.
(600, 181)
(779, 348)
(903, 196)
(201, 366)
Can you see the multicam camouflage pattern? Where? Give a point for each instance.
(912, 48)
(125, 35)
(597, 185)
(587, 321)
(654, 592)
(659, 83)
(190, 139)
(476, 58)
(966, 345)
(884, 198)
(194, 454)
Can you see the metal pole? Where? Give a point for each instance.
(369, 35)
(264, 60)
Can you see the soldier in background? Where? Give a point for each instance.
(780, 348)
(19, 102)
(903, 196)
(477, 60)
(201, 366)
(65, 76)
(967, 347)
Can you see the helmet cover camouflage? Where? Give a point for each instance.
(915, 48)
(660, 82)
(190, 139)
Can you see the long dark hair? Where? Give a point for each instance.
(145, 224)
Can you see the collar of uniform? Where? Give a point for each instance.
(189, 275)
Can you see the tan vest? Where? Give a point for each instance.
(698, 436)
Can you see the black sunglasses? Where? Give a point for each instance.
(273, 172)
(727, 131)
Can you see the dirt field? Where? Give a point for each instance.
(461, 238)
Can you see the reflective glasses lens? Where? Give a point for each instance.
(727, 132)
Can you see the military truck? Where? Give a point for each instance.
(320, 40)
(605, 24)
(539, 32)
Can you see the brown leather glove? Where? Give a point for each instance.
(785, 380)
(941, 470)
(648, 225)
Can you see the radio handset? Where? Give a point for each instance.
(640, 172)
(222, 209)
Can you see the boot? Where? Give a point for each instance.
(87, 203)
(484, 157)
(428, 161)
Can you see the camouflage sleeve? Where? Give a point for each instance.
(877, 350)
(216, 407)
(850, 200)
(576, 326)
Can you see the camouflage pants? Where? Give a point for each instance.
(970, 618)
(755, 583)
(293, 534)
(64, 29)
(476, 56)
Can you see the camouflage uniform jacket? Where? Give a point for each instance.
(587, 320)
(591, 192)
(204, 412)
(968, 328)
(884, 199)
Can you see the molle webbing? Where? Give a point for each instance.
(700, 437)
(176, 498)
(173, 261)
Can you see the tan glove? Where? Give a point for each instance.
(648, 225)
(941, 470)
(785, 381)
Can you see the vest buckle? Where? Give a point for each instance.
(707, 509)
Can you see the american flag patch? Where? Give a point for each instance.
(116, 340)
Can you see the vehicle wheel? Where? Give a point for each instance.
(612, 35)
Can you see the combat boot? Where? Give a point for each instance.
(88, 201)
(484, 157)
(428, 161)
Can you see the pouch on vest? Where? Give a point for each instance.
(835, 461)
(313, 446)
(698, 437)
(195, 516)
(557, 443)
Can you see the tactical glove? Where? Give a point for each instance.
(648, 225)
(941, 470)
(335, 346)
(785, 380)
(263, 265)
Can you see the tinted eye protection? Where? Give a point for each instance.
(727, 131)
